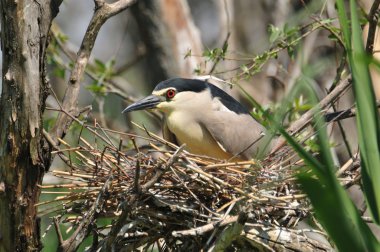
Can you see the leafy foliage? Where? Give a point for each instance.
(103, 71)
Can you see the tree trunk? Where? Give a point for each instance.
(168, 31)
(24, 155)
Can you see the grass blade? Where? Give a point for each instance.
(367, 114)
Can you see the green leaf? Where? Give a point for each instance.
(188, 53)
(100, 66)
(343, 20)
(331, 203)
(337, 214)
(59, 72)
(97, 89)
(369, 149)
(342, 222)
(275, 33)
(367, 114)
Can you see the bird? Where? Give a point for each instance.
(205, 118)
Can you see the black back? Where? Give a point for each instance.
(227, 100)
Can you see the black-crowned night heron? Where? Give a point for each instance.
(205, 118)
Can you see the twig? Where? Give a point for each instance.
(112, 87)
(160, 172)
(206, 228)
(219, 58)
(50, 140)
(137, 177)
(215, 230)
(343, 133)
(303, 121)
(103, 12)
(144, 189)
(373, 17)
(344, 114)
(58, 231)
(72, 243)
(231, 233)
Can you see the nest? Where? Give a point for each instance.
(168, 199)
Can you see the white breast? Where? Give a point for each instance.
(197, 139)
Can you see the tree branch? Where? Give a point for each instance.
(103, 12)
(134, 198)
(303, 121)
(72, 243)
(373, 17)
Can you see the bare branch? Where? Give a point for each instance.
(373, 17)
(344, 114)
(302, 122)
(102, 13)
(143, 189)
(72, 243)
(206, 228)
(99, 3)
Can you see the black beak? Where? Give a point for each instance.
(148, 102)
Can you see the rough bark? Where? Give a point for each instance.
(24, 156)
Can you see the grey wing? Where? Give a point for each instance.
(238, 134)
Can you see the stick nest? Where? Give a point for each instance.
(168, 199)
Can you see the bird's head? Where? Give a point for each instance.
(173, 94)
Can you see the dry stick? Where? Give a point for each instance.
(73, 118)
(206, 228)
(281, 239)
(121, 133)
(50, 140)
(223, 183)
(348, 165)
(137, 177)
(78, 175)
(63, 186)
(143, 189)
(344, 114)
(72, 243)
(95, 153)
(241, 164)
(343, 134)
(58, 231)
(372, 19)
(68, 146)
(305, 118)
(103, 11)
(225, 239)
(194, 195)
(229, 203)
(242, 192)
(181, 209)
(214, 232)
(105, 134)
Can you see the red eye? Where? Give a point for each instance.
(170, 93)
